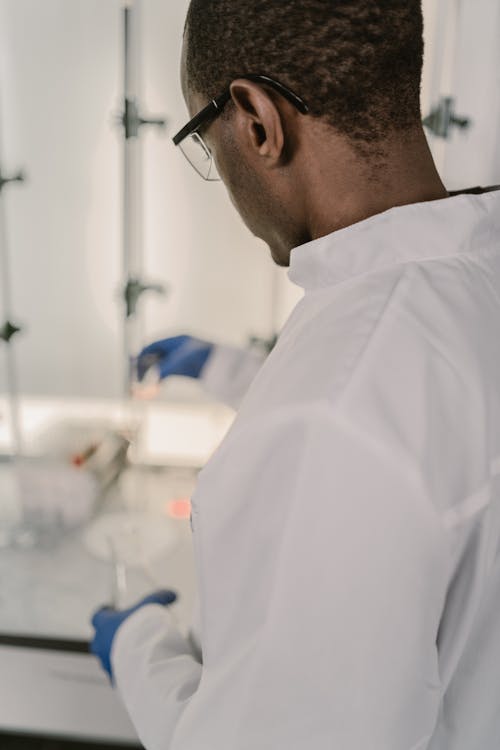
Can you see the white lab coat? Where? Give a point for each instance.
(347, 530)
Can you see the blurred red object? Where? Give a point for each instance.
(180, 508)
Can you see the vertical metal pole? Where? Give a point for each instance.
(12, 374)
(6, 311)
(133, 122)
(132, 181)
(127, 198)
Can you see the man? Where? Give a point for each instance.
(347, 530)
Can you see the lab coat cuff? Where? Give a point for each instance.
(151, 617)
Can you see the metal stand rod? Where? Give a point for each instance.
(132, 123)
(7, 329)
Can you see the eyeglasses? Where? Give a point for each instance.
(191, 142)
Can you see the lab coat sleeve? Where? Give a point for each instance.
(156, 671)
(230, 371)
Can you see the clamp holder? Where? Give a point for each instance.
(134, 290)
(8, 330)
(132, 121)
(18, 177)
(443, 119)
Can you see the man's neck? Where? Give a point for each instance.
(347, 188)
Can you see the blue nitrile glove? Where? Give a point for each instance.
(178, 355)
(107, 620)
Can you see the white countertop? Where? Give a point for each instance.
(52, 591)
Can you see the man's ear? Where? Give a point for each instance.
(258, 121)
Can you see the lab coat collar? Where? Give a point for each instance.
(460, 224)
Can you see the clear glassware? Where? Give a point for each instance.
(42, 498)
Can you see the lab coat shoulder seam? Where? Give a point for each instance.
(401, 282)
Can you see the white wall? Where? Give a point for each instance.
(473, 157)
(57, 86)
(463, 61)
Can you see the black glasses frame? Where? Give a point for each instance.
(214, 109)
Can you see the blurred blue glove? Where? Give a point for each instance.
(179, 355)
(107, 620)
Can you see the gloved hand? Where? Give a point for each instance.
(107, 620)
(178, 355)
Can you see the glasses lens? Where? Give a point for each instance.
(199, 156)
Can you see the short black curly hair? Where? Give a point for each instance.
(356, 63)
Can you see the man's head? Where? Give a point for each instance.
(356, 63)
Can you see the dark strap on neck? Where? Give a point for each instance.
(475, 190)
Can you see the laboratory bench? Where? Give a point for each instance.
(50, 685)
